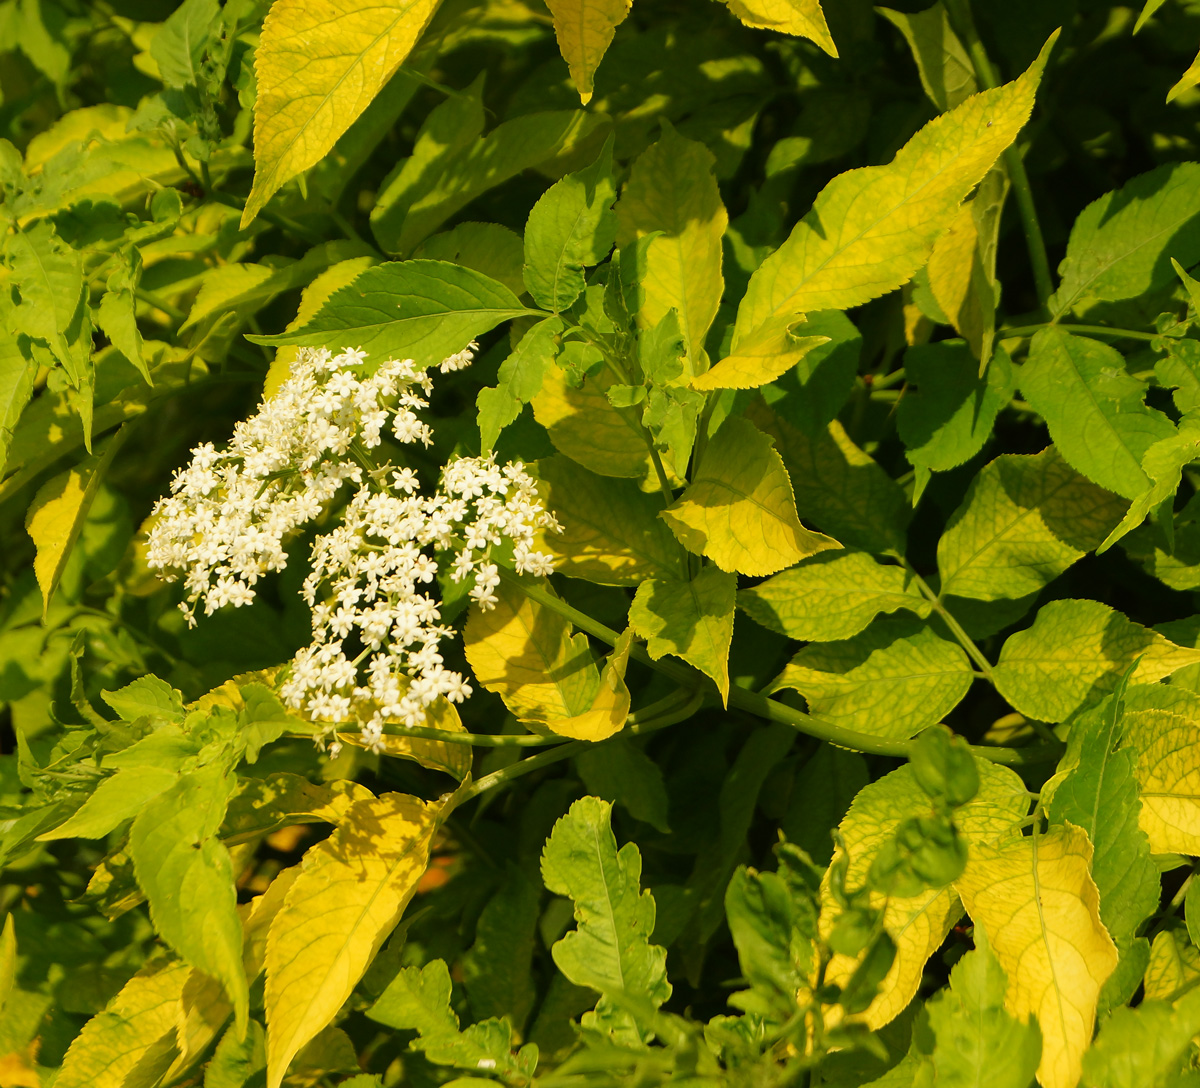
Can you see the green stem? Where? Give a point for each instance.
(149, 297)
(964, 24)
(1092, 330)
(964, 640)
(759, 705)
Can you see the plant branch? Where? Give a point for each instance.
(956, 629)
(1092, 330)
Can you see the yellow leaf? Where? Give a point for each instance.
(112, 1042)
(8, 959)
(437, 755)
(314, 296)
(347, 898)
(672, 189)
(583, 425)
(1035, 898)
(917, 924)
(739, 509)
(767, 353)
(1174, 967)
(57, 513)
(1187, 81)
(870, 229)
(611, 532)
(584, 29)
(319, 64)
(1168, 772)
(527, 655)
(960, 283)
(804, 18)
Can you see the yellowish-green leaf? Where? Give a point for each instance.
(114, 1041)
(831, 596)
(263, 805)
(1187, 81)
(838, 486)
(1035, 898)
(1168, 772)
(1075, 653)
(1024, 521)
(764, 355)
(917, 924)
(318, 66)
(1174, 967)
(527, 655)
(347, 898)
(584, 29)
(672, 190)
(55, 517)
(943, 63)
(611, 532)
(692, 620)
(585, 426)
(739, 509)
(8, 959)
(436, 755)
(961, 284)
(871, 229)
(803, 18)
(892, 680)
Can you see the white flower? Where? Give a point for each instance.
(230, 512)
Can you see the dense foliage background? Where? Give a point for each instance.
(923, 435)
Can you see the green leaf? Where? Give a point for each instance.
(1179, 371)
(519, 380)
(423, 310)
(179, 45)
(187, 876)
(977, 1041)
(870, 229)
(571, 228)
(811, 394)
(419, 998)
(690, 619)
(738, 509)
(1100, 795)
(893, 680)
(620, 772)
(949, 416)
(831, 596)
(943, 63)
(148, 696)
(17, 375)
(115, 800)
(497, 968)
(822, 791)
(49, 276)
(1074, 654)
(8, 960)
(1146, 1047)
(1121, 244)
(1024, 521)
(1094, 408)
(452, 163)
(611, 532)
(489, 248)
(610, 950)
(838, 487)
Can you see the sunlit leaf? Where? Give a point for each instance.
(803, 18)
(585, 29)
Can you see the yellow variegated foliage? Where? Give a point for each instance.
(140, 1017)
(1035, 898)
(1174, 967)
(1168, 772)
(318, 65)
(804, 18)
(584, 29)
(346, 899)
(672, 189)
(739, 509)
(527, 655)
(767, 353)
(917, 924)
(871, 229)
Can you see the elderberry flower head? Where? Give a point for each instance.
(374, 655)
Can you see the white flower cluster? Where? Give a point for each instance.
(374, 656)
